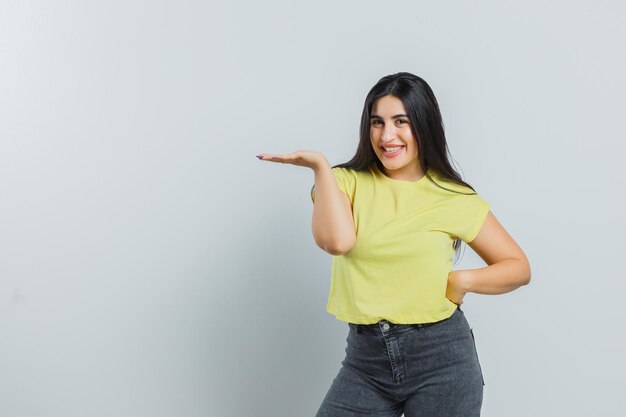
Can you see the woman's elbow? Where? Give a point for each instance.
(526, 271)
(339, 247)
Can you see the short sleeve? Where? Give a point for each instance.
(346, 180)
(468, 215)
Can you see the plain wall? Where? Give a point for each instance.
(151, 265)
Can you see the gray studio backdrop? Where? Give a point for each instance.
(150, 265)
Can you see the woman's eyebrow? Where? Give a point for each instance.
(375, 116)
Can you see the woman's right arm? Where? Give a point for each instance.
(333, 224)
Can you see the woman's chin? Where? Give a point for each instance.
(392, 165)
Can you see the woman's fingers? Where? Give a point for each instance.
(266, 156)
(307, 158)
(276, 158)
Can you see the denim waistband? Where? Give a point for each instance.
(385, 326)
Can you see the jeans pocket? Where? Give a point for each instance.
(476, 353)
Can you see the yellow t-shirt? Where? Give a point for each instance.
(398, 269)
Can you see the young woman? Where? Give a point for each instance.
(393, 217)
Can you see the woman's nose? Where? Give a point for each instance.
(389, 133)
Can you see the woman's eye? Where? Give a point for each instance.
(399, 121)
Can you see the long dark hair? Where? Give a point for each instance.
(426, 125)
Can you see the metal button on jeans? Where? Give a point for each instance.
(386, 326)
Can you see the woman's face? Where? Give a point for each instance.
(392, 139)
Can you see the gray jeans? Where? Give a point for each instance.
(421, 370)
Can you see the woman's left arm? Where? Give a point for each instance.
(507, 265)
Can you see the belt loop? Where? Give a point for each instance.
(355, 327)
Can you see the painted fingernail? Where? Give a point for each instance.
(259, 156)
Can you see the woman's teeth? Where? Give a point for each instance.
(392, 152)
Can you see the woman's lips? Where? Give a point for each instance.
(392, 154)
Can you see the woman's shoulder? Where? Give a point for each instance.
(450, 184)
(351, 172)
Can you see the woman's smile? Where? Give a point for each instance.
(392, 151)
